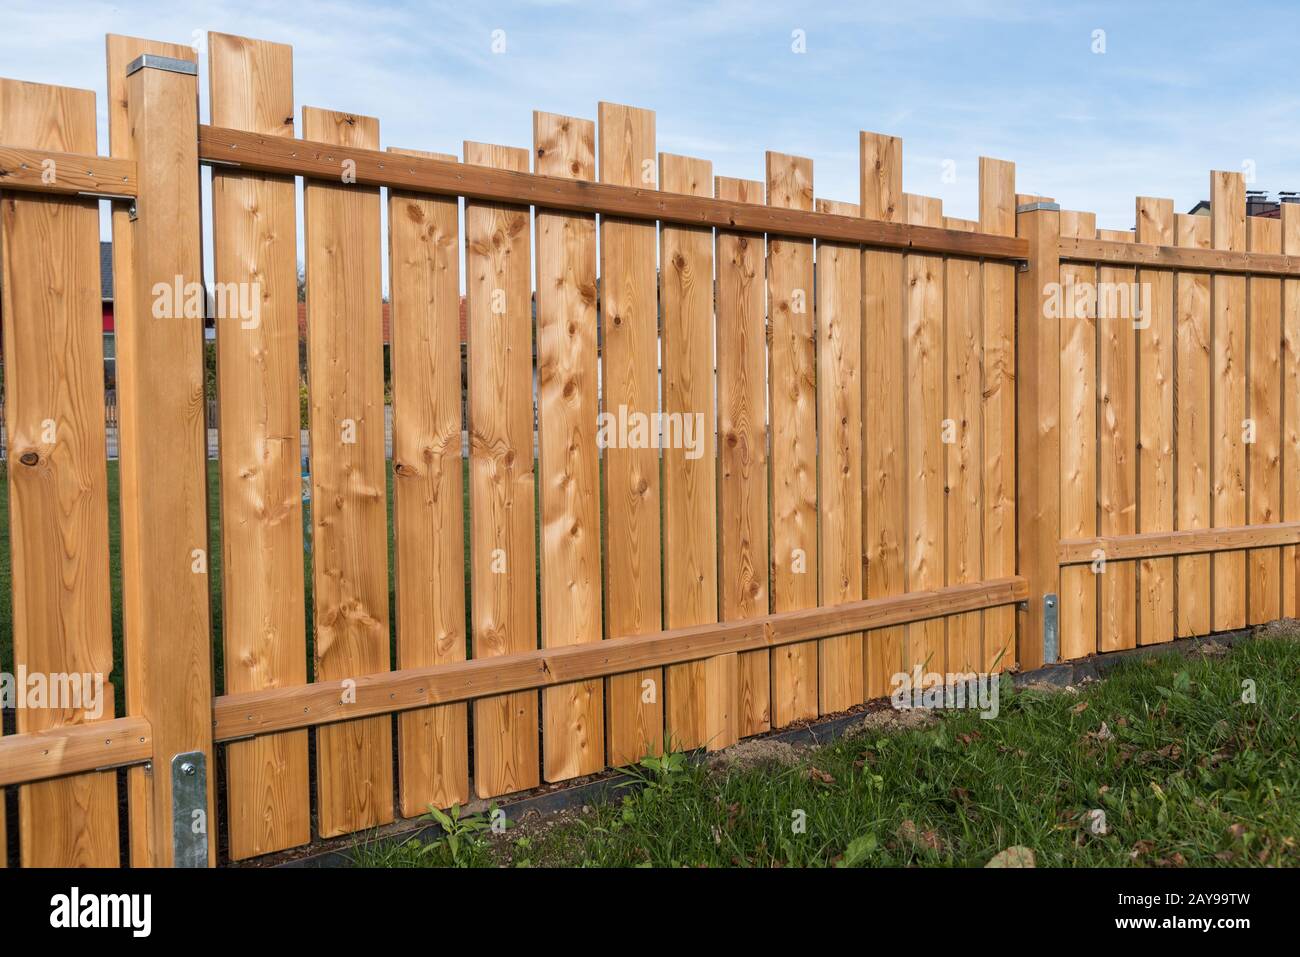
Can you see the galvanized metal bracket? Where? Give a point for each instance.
(1051, 630)
(190, 810)
(152, 61)
(1035, 207)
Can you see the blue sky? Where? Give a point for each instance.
(1181, 88)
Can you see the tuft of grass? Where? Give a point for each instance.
(1171, 761)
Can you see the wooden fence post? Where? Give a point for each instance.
(1038, 386)
(163, 460)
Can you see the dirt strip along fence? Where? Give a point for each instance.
(787, 447)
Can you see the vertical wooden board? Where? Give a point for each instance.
(345, 375)
(1156, 464)
(503, 558)
(1193, 395)
(962, 436)
(1290, 410)
(1117, 442)
(120, 52)
(884, 377)
(634, 717)
(697, 715)
(1038, 436)
(841, 678)
(1078, 595)
(1264, 420)
(428, 485)
(58, 487)
(997, 198)
(925, 449)
(742, 448)
(268, 796)
(793, 421)
(1228, 479)
(573, 719)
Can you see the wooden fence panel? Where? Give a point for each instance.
(1193, 397)
(354, 767)
(1155, 453)
(841, 669)
(162, 443)
(1264, 422)
(630, 348)
(925, 449)
(1078, 595)
(1291, 410)
(268, 797)
(1117, 443)
(573, 717)
(428, 485)
(997, 199)
(700, 696)
(884, 390)
(503, 557)
(742, 447)
(792, 386)
(963, 443)
(58, 486)
(1228, 479)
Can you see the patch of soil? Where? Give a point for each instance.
(1286, 629)
(756, 753)
(892, 722)
(1211, 649)
(533, 825)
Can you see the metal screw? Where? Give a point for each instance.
(187, 769)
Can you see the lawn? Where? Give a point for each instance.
(1185, 772)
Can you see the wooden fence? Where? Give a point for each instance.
(845, 391)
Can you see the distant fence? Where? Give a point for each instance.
(826, 496)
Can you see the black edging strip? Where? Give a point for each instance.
(614, 783)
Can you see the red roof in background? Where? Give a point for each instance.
(302, 320)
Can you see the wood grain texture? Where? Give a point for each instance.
(1117, 440)
(1193, 397)
(1290, 411)
(700, 707)
(58, 489)
(884, 374)
(119, 52)
(503, 556)
(924, 277)
(1186, 259)
(70, 748)
(997, 186)
(842, 672)
(1264, 415)
(963, 442)
(1156, 463)
(638, 201)
(268, 796)
(345, 374)
(260, 712)
(742, 448)
(792, 415)
(634, 705)
(1038, 436)
(428, 487)
(163, 445)
(1077, 551)
(1228, 453)
(25, 169)
(1079, 586)
(573, 717)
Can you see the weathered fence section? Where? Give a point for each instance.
(787, 448)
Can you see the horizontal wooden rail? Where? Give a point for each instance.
(66, 174)
(1178, 257)
(294, 157)
(1080, 551)
(262, 712)
(73, 749)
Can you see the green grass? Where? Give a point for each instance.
(1185, 771)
